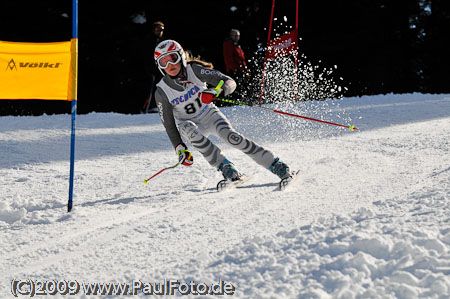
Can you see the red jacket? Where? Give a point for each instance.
(234, 56)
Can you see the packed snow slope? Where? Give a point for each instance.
(368, 217)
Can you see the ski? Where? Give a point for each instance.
(284, 183)
(229, 184)
(223, 185)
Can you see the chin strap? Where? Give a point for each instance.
(182, 75)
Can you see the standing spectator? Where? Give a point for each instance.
(154, 38)
(234, 57)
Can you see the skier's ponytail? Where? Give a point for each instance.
(190, 59)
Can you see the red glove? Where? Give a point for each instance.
(184, 155)
(208, 95)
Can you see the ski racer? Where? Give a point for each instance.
(184, 99)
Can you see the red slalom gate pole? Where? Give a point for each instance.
(352, 128)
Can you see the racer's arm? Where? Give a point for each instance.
(213, 77)
(166, 114)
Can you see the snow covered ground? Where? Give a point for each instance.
(369, 216)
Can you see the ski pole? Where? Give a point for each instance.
(352, 128)
(146, 181)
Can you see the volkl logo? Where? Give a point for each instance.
(40, 65)
(12, 65)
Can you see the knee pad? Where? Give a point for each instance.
(189, 130)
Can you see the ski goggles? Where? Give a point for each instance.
(172, 58)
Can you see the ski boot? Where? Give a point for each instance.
(230, 174)
(283, 172)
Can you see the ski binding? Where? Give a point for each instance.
(284, 183)
(227, 184)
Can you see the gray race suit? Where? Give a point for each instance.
(181, 111)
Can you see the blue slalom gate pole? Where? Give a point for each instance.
(74, 99)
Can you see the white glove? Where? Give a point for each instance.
(184, 155)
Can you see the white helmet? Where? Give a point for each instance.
(163, 55)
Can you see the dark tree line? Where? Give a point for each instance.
(382, 46)
(379, 46)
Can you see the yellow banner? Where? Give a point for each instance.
(45, 71)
